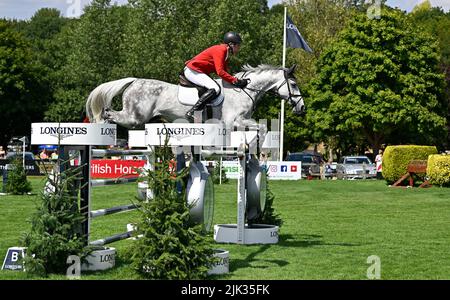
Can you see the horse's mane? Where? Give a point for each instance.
(260, 68)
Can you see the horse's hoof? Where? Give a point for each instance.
(107, 115)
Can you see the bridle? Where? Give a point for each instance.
(289, 97)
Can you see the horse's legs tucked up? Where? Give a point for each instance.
(122, 118)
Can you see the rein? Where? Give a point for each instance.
(278, 88)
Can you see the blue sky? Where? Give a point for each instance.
(24, 9)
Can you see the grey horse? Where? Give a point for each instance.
(145, 99)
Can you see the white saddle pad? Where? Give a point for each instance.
(189, 96)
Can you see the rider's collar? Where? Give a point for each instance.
(228, 52)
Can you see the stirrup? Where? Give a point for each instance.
(189, 116)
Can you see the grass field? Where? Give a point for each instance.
(330, 229)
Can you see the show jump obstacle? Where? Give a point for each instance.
(75, 141)
(251, 191)
(80, 137)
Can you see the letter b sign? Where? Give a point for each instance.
(13, 259)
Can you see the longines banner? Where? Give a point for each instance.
(73, 134)
(136, 138)
(183, 134)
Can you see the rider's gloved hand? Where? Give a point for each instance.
(241, 83)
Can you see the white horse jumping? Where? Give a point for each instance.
(145, 99)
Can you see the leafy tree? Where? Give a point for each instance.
(319, 21)
(41, 30)
(247, 18)
(379, 80)
(90, 50)
(162, 35)
(22, 87)
(45, 24)
(437, 23)
(106, 43)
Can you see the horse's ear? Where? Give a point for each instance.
(292, 69)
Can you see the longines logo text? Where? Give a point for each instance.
(108, 131)
(63, 132)
(180, 131)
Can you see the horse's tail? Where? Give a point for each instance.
(101, 98)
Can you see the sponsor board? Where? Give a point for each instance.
(285, 170)
(73, 134)
(31, 166)
(115, 168)
(136, 138)
(184, 134)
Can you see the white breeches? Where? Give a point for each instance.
(201, 79)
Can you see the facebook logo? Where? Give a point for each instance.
(284, 168)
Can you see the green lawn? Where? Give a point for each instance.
(330, 228)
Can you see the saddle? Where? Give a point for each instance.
(184, 82)
(189, 92)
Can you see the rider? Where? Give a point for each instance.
(213, 60)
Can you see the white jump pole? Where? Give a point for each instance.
(220, 173)
(282, 101)
(241, 196)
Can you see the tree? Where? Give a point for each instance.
(56, 225)
(162, 35)
(45, 24)
(437, 23)
(90, 51)
(17, 183)
(106, 43)
(379, 80)
(171, 246)
(22, 88)
(319, 21)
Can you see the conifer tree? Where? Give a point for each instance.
(171, 246)
(17, 183)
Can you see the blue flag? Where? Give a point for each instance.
(293, 37)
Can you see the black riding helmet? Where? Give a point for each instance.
(232, 37)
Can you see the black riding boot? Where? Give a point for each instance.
(201, 103)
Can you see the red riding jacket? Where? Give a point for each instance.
(212, 60)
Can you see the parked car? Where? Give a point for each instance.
(12, 155)
(354, 167)
(310, 162)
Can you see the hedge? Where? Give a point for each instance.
(438, 170)
(397, 158)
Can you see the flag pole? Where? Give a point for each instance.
(282, 100)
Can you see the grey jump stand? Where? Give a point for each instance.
(242, 233)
